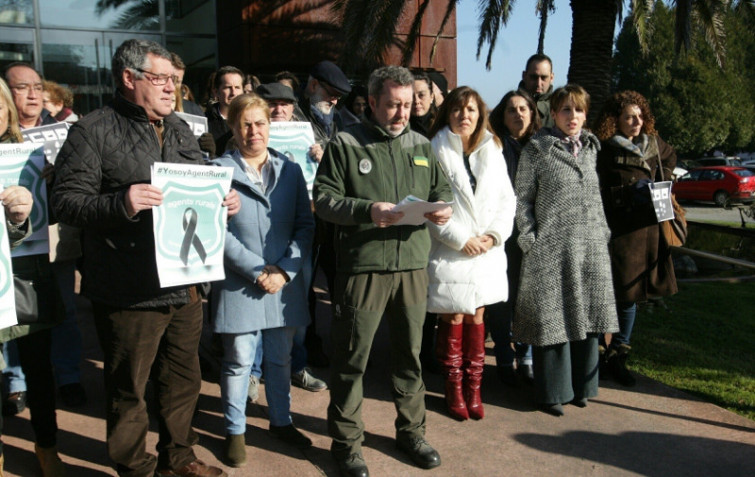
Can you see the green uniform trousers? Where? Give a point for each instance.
(360, 301)
(566, 371)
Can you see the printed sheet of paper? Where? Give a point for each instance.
(294, 140)
(414, 210)
(198, 124)
(22, 164)
(51, 137)
(660, 193)
(7, 297)
(189, 226)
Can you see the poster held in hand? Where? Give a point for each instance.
(190, 224)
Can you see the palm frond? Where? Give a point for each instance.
(543, 8)
(710, 16)
(683, 25)
(494, 13)
(414, 31)
(450, 8)
(642, 10)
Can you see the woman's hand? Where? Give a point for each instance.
(272, 279)
(474, 247)
(486, 241)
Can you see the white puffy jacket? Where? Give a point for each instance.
(460, 283)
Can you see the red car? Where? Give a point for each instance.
(717, 183)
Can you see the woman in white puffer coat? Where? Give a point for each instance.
(467, 268)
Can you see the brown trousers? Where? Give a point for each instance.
(133, 341)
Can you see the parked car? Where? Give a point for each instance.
(717, 183)
(688, 164)
(732, 161)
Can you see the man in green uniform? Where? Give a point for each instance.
(380, 267)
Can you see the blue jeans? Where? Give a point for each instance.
(627, 312)
(236, 367)
(299, 351)
(13, 376)
(257, 361)
(499, 317)
(66, 337)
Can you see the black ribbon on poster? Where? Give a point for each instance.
(190, 237)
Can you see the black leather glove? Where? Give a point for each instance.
(641, 192)
(207, 144)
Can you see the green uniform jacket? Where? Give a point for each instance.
(363, 165)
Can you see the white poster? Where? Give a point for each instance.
(190, 225)
(51, 137)
(294, 140)
(7, 294)
(660, 193)
(22, 164)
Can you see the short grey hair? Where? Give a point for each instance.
(132, 55)
(397, 74)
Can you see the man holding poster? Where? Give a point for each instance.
(102, 185)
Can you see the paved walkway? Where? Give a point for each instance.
(650, 429)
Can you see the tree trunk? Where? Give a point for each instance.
(592, 49)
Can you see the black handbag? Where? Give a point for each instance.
(37, 294)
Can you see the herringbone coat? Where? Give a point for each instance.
(566, 290)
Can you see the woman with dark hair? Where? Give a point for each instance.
(566, 296)
(631, 157)
(467, 258)
(424, 110)
(514, 120)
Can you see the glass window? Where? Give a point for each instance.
(16, 44)
(99, 14)
(17, 12)
(198, 54)
(744, 173)
(190, 16)
(72, 59)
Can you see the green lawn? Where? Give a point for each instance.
(704, 343)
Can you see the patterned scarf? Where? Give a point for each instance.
(636, 147)
(572, 143)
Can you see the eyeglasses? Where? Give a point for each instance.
(26, 87)
(332, 93)
(156, 79)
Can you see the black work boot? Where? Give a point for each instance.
(616, 358)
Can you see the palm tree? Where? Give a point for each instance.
(369, 29)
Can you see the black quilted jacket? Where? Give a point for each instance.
(107, 151)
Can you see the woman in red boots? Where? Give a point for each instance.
(467, 267)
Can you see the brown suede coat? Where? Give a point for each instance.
(640, 258)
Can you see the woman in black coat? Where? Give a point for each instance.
(514, 120)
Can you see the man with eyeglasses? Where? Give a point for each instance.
(325, 86)
(537, 81)
(26, 85)
(102, 185)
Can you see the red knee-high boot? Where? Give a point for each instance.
(448, 351)
(473, 346)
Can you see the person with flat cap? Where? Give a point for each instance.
(325, 86)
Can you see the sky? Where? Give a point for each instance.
(516, 42)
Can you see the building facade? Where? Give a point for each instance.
(72, 41)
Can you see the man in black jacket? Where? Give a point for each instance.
(102, 185)
(228, 83)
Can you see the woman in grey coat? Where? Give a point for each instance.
(566, 295)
